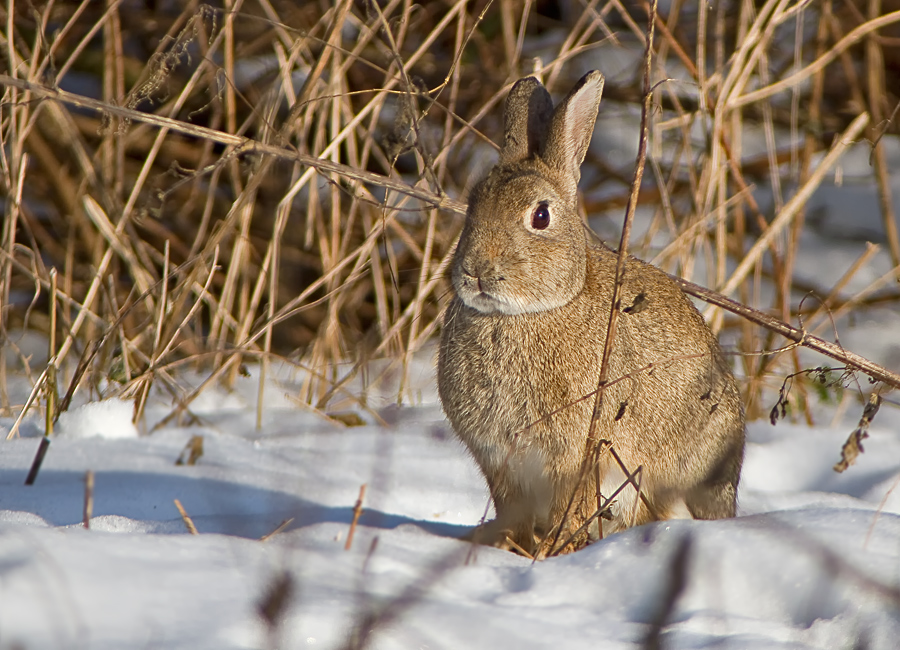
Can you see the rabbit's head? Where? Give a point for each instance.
(523, 248)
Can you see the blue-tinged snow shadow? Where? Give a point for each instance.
(144, 502)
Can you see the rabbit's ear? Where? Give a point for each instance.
(528, 111)
(572, 125)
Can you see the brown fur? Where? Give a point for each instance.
(522, 341)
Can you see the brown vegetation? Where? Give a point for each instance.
(289, 209)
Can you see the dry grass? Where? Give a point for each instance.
(286, 207)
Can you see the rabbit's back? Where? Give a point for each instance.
(679, 410)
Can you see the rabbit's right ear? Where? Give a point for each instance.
(572, 125)
(527, 117)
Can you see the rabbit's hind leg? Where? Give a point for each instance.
(716, 501)
(678, 509)
(716, 496)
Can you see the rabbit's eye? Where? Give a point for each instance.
(541, 217)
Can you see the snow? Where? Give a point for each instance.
(106, 419)
(811, 562)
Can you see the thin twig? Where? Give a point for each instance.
(626, 228)
(242, 145)
(795, 334)
(593, 439)
(357, 511)
(186, 518)
(88, 498)
(280, 527)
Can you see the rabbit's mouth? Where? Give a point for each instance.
(487, 303)
(494, 296)
(484, 294)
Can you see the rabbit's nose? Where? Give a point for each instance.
(472, 277)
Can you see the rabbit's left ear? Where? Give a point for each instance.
(527, 117)
(572, 125)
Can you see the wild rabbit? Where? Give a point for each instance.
(522, 341)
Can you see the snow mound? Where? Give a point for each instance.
(108, 419)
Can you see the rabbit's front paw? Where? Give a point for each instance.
(499, 535)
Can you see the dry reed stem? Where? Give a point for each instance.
(8, 245)
(357, 512)
(32, 396)
(598, 513)
(801, 75)
(186, 518)
(51, 389)
(279, 528)
(88, 510)
(859, 297)
(810, 322)
(793, 206)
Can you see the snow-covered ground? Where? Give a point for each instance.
(812, 562)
